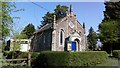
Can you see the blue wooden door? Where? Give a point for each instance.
(74, 46)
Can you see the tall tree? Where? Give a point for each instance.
(92, 39)
(48, 18)
(7, 20)
(28, 30)
(108, 28)
(112, 10)
(109, 34)
(60, 12)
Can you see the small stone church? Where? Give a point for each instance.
(66, 34)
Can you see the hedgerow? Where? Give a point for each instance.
(88, 58)
(116, 53)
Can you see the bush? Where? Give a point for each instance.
(5, 53)
(88, 58)
(9, 54)
(116, 53)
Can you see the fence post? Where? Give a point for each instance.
(29, 58)
(29, 55)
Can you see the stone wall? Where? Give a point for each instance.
(42, 41)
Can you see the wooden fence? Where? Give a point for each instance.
(13, 62)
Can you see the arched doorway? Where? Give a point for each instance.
(77, 44)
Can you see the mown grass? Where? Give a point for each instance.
(109, 62)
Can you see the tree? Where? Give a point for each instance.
(20, 36)
(60, 12)
(23, 36)
(48, 18)
(109, 34)
(92, 39)
(112, 10)
(7, 20)
(28, 30)
(16, 45)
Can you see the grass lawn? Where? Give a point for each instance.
(109, 62)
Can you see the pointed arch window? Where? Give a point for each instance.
(61, 37)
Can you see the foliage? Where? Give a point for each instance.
(17, 35)
(7, 20)
(48, 18)
(116, 53)
(109, 33)
(16, 44)
(70, 58)
(59, 11)
(22, 36)
(28, 30)
(92, 39)
(112, 10)
(109, 28)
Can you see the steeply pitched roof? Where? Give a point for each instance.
(48, 26)
(45, 27)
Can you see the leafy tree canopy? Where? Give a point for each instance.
(112, 10)
(28, 30)
(109, 31)
(60, 12)
(92, 39)
(109, 35)
(7, 20)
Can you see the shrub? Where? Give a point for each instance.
(116, 53)
(5, 53)
(9, 54)
(87, 58)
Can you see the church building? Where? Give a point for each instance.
(66, 34)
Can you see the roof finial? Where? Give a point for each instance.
(84, 27)
(70, 8)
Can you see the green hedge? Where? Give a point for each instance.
(116, 53)
(89, 58)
